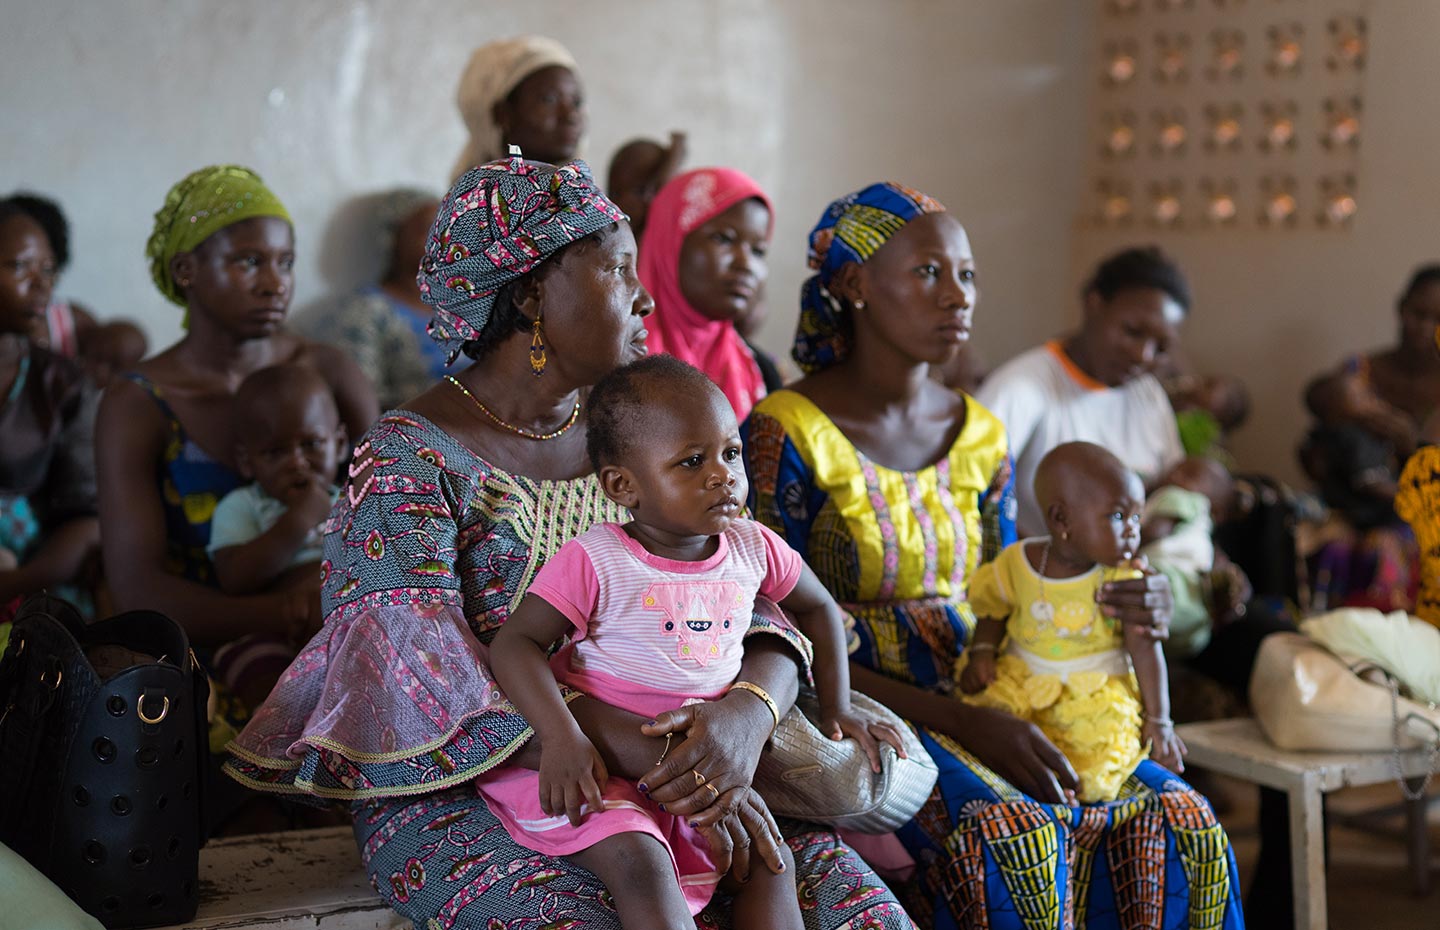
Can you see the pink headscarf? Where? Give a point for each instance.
(676, 328)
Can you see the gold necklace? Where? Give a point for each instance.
(518, 430)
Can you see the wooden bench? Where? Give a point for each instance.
(1238, 748)
(308, 879)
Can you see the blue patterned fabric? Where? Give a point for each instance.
(496, 224)
(445, 861)
(191, 484)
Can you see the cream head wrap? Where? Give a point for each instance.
(496, 69)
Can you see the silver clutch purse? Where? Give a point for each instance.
(808, 776)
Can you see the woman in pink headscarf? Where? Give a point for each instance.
(703, 260)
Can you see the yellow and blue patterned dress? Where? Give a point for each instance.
(896, 549)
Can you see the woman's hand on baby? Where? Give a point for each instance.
(1018, 752)
(721, 748)
(738, 827)
(865, 728)
(979, 673)
(300, 613)
(1230, 590)
(1145, 604)
(1166, 746)
(571, 775)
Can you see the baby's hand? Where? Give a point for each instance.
(571, 774)
(1166, 747)
(979, 672)
(865, 728)
(310, 502)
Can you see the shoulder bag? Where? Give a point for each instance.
(103, 738)
(808, 776)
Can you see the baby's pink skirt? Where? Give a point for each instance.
(513, 795)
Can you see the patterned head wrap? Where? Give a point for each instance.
(495, 69)
(495, 225)
(851, 229)
(202, 204)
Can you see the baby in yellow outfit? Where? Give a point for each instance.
(1096, 691)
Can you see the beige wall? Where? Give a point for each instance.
(107, 104)
(1274, 308)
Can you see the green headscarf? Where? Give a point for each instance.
(204, 203)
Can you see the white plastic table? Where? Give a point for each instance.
(1238, 748)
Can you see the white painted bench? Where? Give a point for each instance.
(1238, 748)
(308, 879)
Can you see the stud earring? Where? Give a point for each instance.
(859, 305)
(537, 349)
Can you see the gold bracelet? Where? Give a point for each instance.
(762, 694)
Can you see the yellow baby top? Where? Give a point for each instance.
(1051, 618)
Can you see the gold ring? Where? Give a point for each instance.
(714, 791)
(699, 779)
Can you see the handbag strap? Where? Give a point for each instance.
(1397, 727)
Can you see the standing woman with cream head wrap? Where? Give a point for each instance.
(223, 249)
(522, 91)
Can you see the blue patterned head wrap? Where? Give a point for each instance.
(850, 230)
(495, 225)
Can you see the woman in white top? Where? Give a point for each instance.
(1095, 384)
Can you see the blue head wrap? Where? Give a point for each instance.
(850, 230)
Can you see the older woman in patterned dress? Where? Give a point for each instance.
(454, 501)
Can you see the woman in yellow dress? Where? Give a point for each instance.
(894, 488)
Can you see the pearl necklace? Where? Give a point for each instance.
(519, 430)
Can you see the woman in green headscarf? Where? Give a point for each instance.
(223, 248)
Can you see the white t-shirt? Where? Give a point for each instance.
(1044, 400)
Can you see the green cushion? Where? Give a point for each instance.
(30, 901)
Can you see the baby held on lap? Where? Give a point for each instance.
(265, 536)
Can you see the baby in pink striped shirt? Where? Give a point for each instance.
(656, 610)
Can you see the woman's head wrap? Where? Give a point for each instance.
(851, 229)
(202, 204)
(495, 225)
(495, 69)
(685, 203)
(393, 208)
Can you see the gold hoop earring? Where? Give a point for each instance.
(537, 349)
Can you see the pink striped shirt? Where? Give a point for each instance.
(648, 626)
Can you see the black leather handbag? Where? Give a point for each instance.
(102, 743)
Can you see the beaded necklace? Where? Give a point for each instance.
(518, 430)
